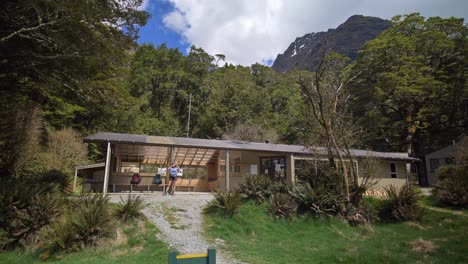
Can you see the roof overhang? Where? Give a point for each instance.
(118, 138)
(90, 166)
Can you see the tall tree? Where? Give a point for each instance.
(411, 91)
(60, 53)
(65, 57)
(324, 91)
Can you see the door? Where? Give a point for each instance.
(273, 167)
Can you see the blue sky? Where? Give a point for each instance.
(156, 32)
(250, 31)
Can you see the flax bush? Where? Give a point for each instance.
(86, 222)
(255, 187)
(282, 205)
(401, 205)
(24, 210)
(225, 202)
(130, 209)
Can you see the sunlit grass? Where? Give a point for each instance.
(255, 238)
(133, 243)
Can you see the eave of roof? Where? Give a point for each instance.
(231, 145)
(90, 166)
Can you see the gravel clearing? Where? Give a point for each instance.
(178, 218)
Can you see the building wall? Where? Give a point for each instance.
(384, 174)
(440, 157)
(242, 163)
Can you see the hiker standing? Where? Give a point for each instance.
(173, 170)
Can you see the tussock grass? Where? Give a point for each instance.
(423, 246)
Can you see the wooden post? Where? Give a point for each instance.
(290, 173)
(74, 180)
(170, 152)
(106, 171)
(211, 256)
(227, 169)
(172, 257)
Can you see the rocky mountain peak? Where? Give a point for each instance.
(347, 39)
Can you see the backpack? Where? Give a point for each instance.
(157, 179)
(135, 179)
(173, 171)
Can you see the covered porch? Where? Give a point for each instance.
(205, 166)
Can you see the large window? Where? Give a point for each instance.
(393, 170)
(273, 167)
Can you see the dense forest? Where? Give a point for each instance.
(75, 65)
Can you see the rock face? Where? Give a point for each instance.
(347, 39)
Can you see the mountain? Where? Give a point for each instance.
(347, 39)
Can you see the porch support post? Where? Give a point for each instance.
(227, 169)
(74, 180)
(106, 171)
(290, 170)
(170, 157)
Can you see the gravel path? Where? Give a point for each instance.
(178, 218)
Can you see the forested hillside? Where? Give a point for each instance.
(65, 64)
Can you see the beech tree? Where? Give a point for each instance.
(411, 91)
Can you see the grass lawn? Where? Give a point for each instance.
(133, 244)
(253, 237)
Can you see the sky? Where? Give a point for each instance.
(251, 31)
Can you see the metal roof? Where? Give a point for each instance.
(90, 166)
(231, 145)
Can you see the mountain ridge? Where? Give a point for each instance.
(347, 39)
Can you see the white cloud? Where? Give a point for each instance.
(144, 5)
(249, 31)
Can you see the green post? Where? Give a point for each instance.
(211, 256)
(172, 257)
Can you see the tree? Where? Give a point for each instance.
(324, 91)
(65, 55)
(411, 87)
(65, 150)
(20, 141)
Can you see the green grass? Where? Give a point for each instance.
(134, 244)
(432, 201)
(253, 237)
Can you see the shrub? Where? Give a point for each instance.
(282, 205)
(255, 187)
(401, 206)
(130, 209)
(277, 187)
(87, 220)
(452, 187)
(54, 177)
(318, 200)
(226, 203)
(24, 210)
(60, 237)
(363, 214)
(92, 218)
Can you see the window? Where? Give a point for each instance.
(273, 167)
(237, 165)
(434, 164)
(393, 171)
